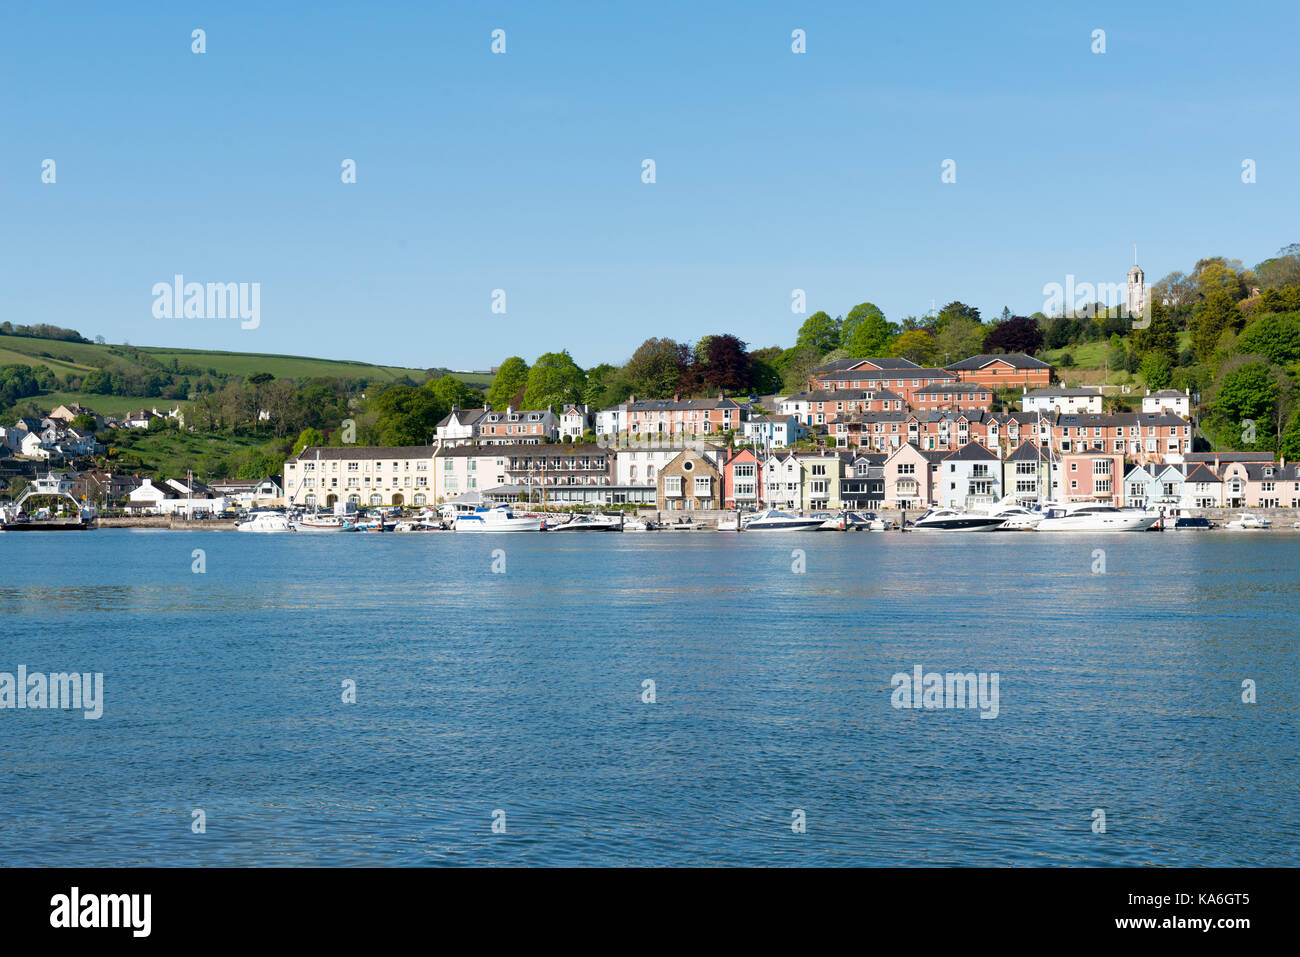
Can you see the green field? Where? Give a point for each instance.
(81, 357)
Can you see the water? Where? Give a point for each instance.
(522, 692)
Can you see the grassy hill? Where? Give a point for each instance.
(65, 357)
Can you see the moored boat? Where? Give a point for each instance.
(1095, 517)
(771, 519)
(1249, 522)
(498, 518)
(945, 519)
(265, 522)
(595, 522)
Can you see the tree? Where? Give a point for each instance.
(408, 416)
(554, 380)
(915, 345)
(727, 364)
(1246, 392)
(1217, 313)
(454, 392)
(959, 339)
(509, 384)
(1159, 337)
(1275, 336)
(656, 368)
(1017, 334)
(955, 310)
(1156, 370)
(308, 437)
(819, 331)
(795, 366)
(1281, 270)
(866, 331)
(766, 376)
(280, 399)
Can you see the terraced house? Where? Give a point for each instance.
(683, 417)
(689, 482)
(323, 476)
(578, 474)
(970, 477)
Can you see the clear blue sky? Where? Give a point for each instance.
(522, 171)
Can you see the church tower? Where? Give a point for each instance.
(1137, 289)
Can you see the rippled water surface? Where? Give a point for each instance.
(522, 692)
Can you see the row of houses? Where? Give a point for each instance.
(54, 436)
(719, 476)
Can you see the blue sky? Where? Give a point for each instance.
(522, 171)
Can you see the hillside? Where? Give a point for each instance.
(64, 357)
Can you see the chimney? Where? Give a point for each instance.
(677, 397)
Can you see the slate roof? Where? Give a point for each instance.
(1017, 360)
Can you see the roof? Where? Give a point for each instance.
(971, 452)
(882, 364)
(1017, 360)
(1046, 393)
(1202, 474)
(1113, 419)
(1226, 457)
(325, 452)
(676, 405)
(1028, 452)
(953, 388)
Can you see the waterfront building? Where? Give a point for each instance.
(688, 482)
(1096, 477)
(952, 396)
(970, 477)
(324, 476)
(678, 417)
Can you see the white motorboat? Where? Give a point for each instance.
(1016, 517)
(945, 519)
(323, 523)
(1095, 517)
(640, 525)
(265, 522)
(595, 522)
(684, 525)
(499, 518)
(1248, 522)
(730, 522)
(770, 520)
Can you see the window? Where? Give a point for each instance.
(673, 485)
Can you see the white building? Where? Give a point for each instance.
(775, 431)
(610, 422)
(1060, 400)
(1168, 400)
(574, 421)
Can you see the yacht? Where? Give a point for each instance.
(640, 525)
(595, 522)
(1095, 517)
(1016, 517)
(772, 520)
(265, 522)
(1248, 522)
(498, 518)
(944, 519)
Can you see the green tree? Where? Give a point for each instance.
(1274, 335)
(1156, 370)
(554, 380)
(953, 311)
(1217, 313)
(656, 369)
(866, 332)
(509, 384)
(819, 331)
(408, 416)
(308, 437)
(454, 392)
(916, 345)
(959, 339)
